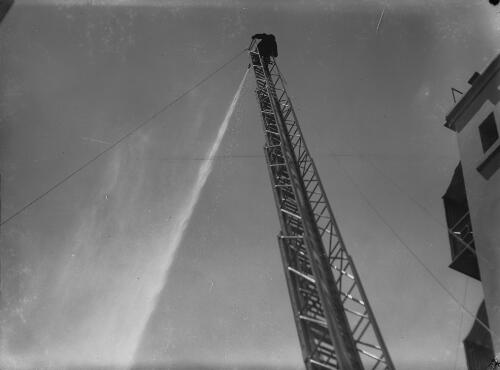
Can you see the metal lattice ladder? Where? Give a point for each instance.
(346, 339)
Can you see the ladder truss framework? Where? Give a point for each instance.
(335, 324)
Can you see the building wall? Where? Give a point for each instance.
(484, 204)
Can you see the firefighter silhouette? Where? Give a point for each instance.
(267, 46)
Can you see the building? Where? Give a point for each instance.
(472, 204)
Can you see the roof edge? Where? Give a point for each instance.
(477, 86)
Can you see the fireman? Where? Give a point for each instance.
(267, 46)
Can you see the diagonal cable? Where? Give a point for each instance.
(119, 140)
(425, 210)
(370, 204)
(460, 326)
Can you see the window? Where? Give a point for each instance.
(488, 132)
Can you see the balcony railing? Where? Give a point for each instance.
(463, 250)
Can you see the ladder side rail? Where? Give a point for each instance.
(347, 353)
(302, 144)
(295, 298)
(326, 357)
(342, 256)
(294, 282)
(320, 342)
(306, 342)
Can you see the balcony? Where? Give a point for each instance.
(463, 253)
(459, 224)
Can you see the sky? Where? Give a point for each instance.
(92, 274)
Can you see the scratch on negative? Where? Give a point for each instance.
(380, 20)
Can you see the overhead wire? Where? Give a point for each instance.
(461, 306)
(425, 210)
(119, 140)
(403, 243)
(413, 254)
(450, 232)
(181, 96)
(399, 238)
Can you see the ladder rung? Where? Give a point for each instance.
(328, 232)
(370, 354)
(343, 272)
(319, 322)
(369, 345)
(322, 216)
(322, 364)
(356, 313)
(272, 132)
(290, 214)
(291, 236)
(352, 298)
(305, 276)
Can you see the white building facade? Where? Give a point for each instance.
(476, 121)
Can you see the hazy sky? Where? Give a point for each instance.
(80, 269)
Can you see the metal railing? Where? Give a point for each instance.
(462, 235)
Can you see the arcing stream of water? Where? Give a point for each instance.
(186, 211)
